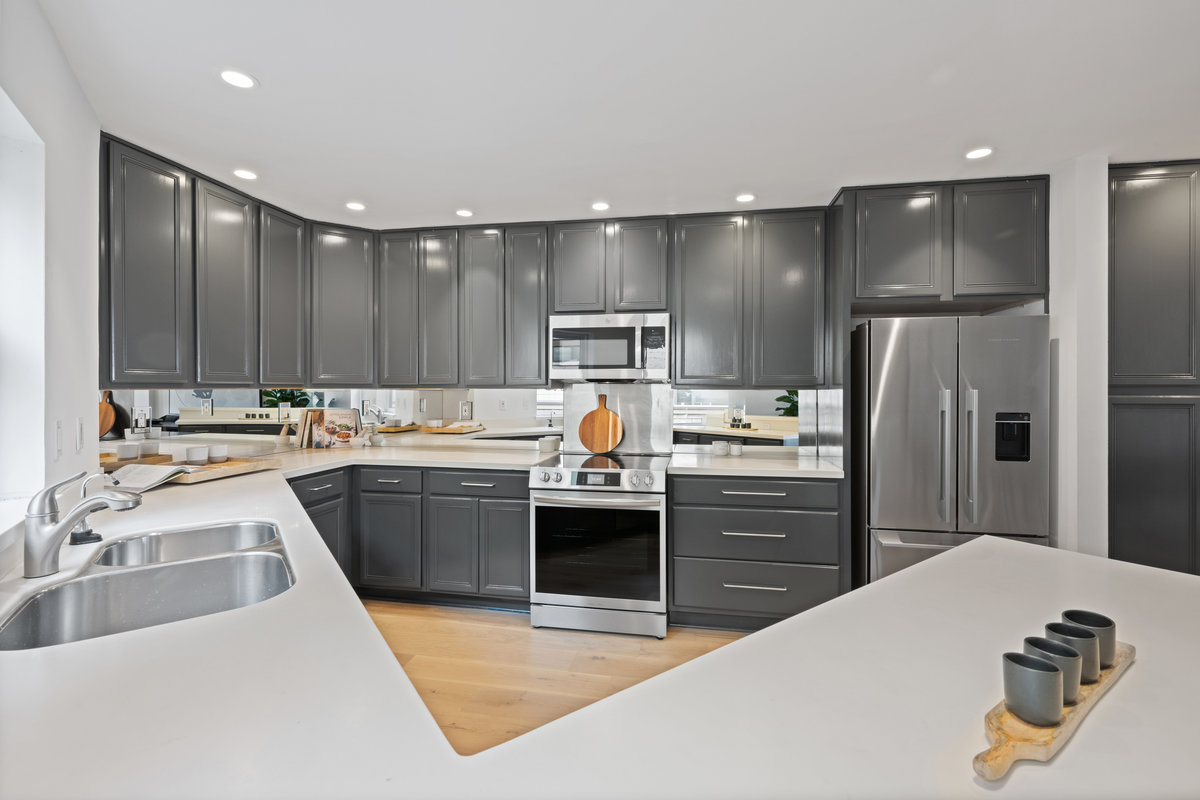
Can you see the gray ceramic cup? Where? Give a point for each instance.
(1104, 628)
(1033, 689)
(1064, 657)
(1086, 643)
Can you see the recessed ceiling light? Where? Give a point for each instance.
(979, 152)
(463, 212)
(356, 206)
(238, 79)
(600, 206)
(245, 174)
(744, 198)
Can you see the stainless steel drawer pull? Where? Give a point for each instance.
(319, 488)
(759, 535)
(389, 480)
(752, 586)
(756, 494)
(480, 485)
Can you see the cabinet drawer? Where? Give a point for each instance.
(389, 479)
(755, 534)
(754, 492)
(316, 488)
(483, 484)
(751, 587)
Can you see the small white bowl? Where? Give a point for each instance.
(218, 453)
(376, 439)
(153, 433)
(357, 441)
(197, 456)
(148, 447)
(128, 450)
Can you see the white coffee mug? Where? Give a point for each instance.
(218, 453)
(127, 450)
(197, 455)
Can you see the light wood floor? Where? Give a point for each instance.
(488, 677)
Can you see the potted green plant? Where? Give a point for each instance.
(271, 398)
(791, 403)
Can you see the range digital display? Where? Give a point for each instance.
(597, 479)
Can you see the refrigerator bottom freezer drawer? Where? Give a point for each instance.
(892, 551)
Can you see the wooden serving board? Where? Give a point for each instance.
(601, 430)
(397, 428)
(109, 461)
(226, 469)
(732, 429)
(1013, 739)
(471, 429)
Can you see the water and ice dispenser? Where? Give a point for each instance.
(1012, 435)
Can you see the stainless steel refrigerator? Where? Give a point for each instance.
(952, 435)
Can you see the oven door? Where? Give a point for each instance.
(599, 550)
(607, 347)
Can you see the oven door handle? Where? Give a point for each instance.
(590, 502)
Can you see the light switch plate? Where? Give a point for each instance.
(141, 416)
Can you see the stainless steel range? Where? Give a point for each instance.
(598, 556)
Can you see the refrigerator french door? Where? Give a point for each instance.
(956, 428)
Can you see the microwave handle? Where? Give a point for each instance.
(639, 357)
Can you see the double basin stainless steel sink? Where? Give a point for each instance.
(153, 579)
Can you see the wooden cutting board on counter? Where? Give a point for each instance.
(601, 429)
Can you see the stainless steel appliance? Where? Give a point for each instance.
(953, 436)
(610, 347)
(598, 525)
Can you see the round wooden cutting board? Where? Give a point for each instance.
(108, 414)
(601, 430)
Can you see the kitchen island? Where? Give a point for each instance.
(879, 693)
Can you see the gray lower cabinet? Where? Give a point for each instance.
(1154, 276)
(1153, 499)
(226, 286)
(398, 323)
(618, 267)
(149, 271)
(481, 280)
(452, 544)
(438, 293)
(1000, 238)
(746, 552)
(708, 321)
(504, 547)
(902, 242)
(324, 499)
(388, 528)
(786, 299)
(525, 306)
(343, 307)
(283, 302)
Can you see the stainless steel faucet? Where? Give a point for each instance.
(369, 408)
(82, 533)
(45, 532)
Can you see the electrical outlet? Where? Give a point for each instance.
(141, 416)
(501, 404)
(465, 409)
(285, 411)
(421, 405)
(206, 407)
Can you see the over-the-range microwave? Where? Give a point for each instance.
(610, 347)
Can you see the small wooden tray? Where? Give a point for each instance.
(736, 430)
(109, 461)
(397, 428)
(1013, 739)
(472, 429)
(226, 469)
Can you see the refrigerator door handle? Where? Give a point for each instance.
(945, 398)
(973, 455)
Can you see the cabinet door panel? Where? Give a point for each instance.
(525, 317)
(708, 301)
(578, 265)
(343, 307)
(226, 286)
(787, 301)
(389, 534)
(283, 299)
(900, 241)
(150, 271)
(504, 547)
(1152, 482)
(1153, 281)
(1000, 238)
(452, 544)
(438, 281)
(481, 276)
(637, 265)
(329, 518)
(399, 309)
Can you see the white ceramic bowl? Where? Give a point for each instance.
(149, 447)
(218, 453)
(197, 456)
(127, 450)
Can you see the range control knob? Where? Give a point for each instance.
(558, 477)
(634, 479)
(649, 479)
(545, 476)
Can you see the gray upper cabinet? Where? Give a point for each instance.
(901, 242)
(226, 286)
(784, 278)
(283, 305)
(1153, 280)
(150, 271)
(1000, 238)
(481, 278)
(525, 306)
(578, 259)
(343, 306)
(636, 262)
(399, 309)
(438, 293)
(708, 320)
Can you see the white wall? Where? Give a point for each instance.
(36, 76)
(1079, 353)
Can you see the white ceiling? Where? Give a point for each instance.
(533, 109)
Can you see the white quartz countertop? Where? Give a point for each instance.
(765, 462)
(879, 693)
(759, 433)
